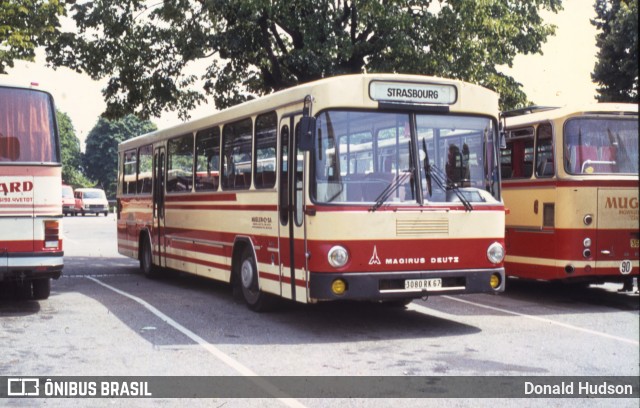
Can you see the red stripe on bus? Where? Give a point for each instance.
(35, 170)
(193, 260)
(568, 244)
(28, 246)
(235, 207)
(191, 197)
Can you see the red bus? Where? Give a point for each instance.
(30, 190)
(388, 191)
(570, 182)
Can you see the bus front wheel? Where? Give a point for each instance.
(255, 299)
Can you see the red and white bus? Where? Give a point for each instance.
(570, 182)
(368, 187)
(30, 190)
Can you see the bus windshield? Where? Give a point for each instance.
(601, 145)
(372, 157)
(27, 127)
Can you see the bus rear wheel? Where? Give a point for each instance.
(146, 259)
(41, 288)
(247, 279)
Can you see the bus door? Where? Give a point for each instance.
(157, 229)
(292, 237)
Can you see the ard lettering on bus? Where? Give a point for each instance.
(30, 191)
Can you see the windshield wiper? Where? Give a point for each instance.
(390, 189)
(446, 184)
(427, 167)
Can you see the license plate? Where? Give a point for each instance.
(422, 284)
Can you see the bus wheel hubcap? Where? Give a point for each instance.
(246, 273)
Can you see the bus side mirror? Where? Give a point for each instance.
(503, 139)
(307, 133)
(502, 133)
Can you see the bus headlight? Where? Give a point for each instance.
(338, 256)
(495, 253)
(586, 242)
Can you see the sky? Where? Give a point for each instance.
(556, 78)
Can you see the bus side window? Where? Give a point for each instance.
(145, 166)
(129, 173)
(265, 154)
(237, 140)
(520, 147)
(208, 159)
(544, 151)
(180, 166)
(506, 165)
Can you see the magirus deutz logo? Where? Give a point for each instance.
(418, 260)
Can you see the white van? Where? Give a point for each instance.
(92, 201)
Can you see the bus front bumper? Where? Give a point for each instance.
(392, 286)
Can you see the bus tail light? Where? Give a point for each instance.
(495, 253)
(51, 234)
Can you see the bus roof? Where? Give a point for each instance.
(351, 89)
(537, 114)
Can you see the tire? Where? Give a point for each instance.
(247, 279)
(147, 266)
(41, 288)
(106, 213)
(83, 213)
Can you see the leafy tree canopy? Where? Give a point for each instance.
(70, 152)
(616, 69)
(149, 49)
(25, 25)
(101, 153)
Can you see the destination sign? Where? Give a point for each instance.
(412, 93)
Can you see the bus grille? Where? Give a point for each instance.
(414, 228)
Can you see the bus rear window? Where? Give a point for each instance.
(27, 127)
(601, 145)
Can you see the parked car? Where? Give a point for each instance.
(92, 201)
(68, 200)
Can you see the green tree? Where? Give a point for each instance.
(616, 69)
(71, 155)
(254, 47)
(25, 25)
(101, 153)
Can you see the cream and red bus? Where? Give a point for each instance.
(570, 184)
(30, 190)
(372, 187)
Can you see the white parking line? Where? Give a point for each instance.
(216, 352)
(426, 310)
